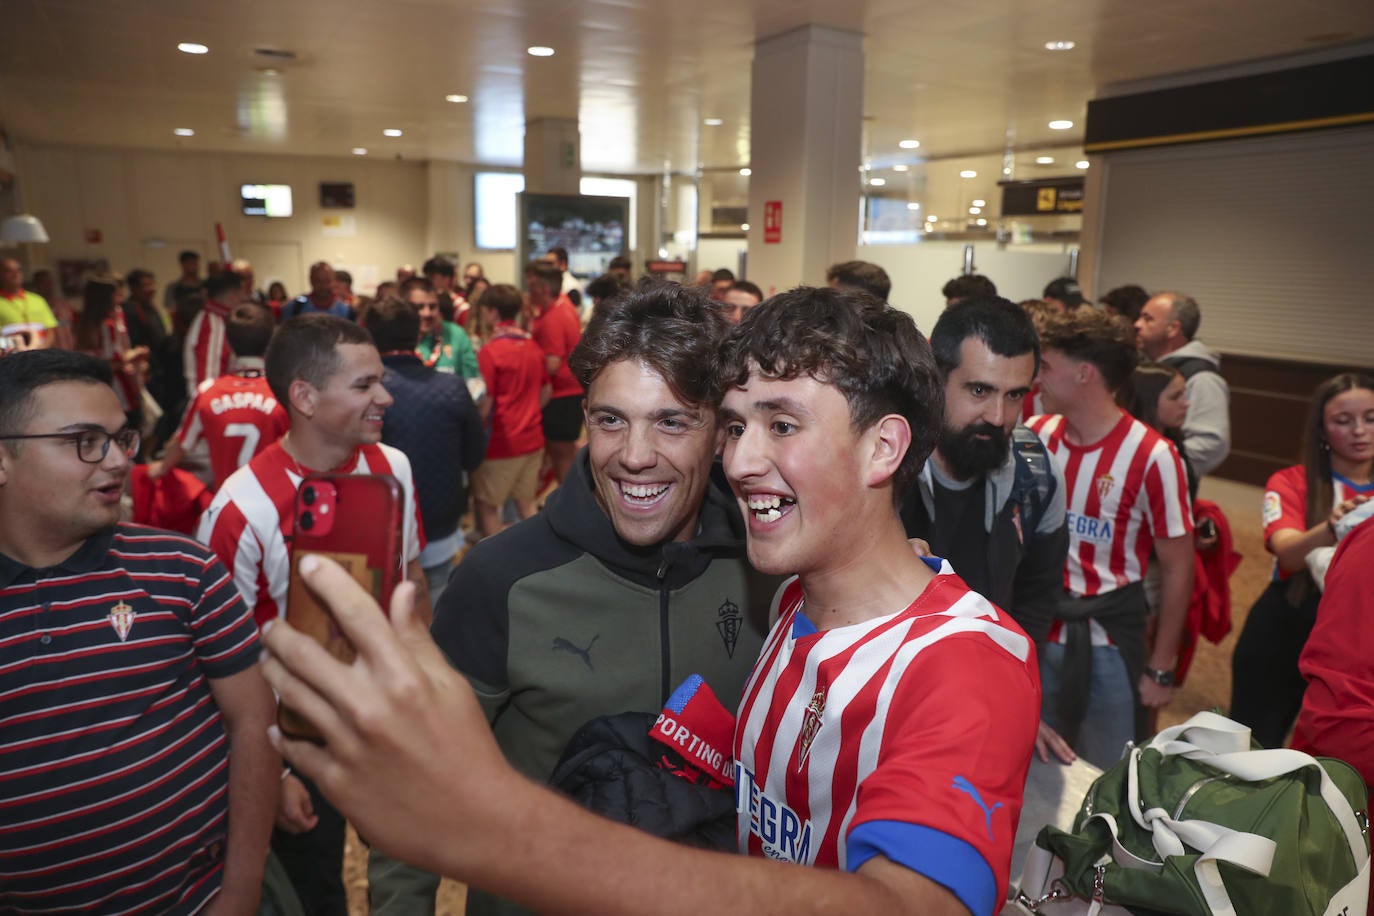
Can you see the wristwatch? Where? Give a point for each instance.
(1162, 678)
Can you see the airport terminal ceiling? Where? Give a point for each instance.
(968, 79)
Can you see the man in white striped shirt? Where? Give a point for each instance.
(1127, 495)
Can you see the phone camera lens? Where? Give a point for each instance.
(307, 521)
(308, 496)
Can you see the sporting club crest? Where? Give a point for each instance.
(122, 619)
(728, 622)
(1104, 485)
(811, 726)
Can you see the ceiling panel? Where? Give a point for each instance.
(968, 79)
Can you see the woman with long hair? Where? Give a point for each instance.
(99, 330)
(1301, 507)
(1159, 399)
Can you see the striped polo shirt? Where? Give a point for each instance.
(113, 757)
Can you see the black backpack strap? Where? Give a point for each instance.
(1034, 485)
(1190, 366)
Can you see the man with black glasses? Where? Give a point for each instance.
(127, 668)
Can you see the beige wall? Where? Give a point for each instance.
(148, 205)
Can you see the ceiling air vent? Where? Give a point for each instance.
(275, 54)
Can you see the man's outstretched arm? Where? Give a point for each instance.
(408, 757)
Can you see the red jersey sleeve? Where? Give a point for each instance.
(952, 770)
(1285, 501)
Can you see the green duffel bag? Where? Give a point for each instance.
(1199, 823)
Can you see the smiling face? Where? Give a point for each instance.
(650, 453)
(1172, 408)
(1058, 379)
(1348, 419)
(426, 302)
(349, 408)
(795, 464)
(61, 498)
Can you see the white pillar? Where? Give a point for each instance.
(806, 114)
(553, 156)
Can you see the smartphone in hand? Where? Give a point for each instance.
(354, 520)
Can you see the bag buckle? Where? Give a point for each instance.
(1057, 892)
(1362, 818)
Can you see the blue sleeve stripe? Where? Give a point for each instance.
(944, 859)
(684, 693)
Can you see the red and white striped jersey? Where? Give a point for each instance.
(1285, 502)
(1123, 492)
(237, 417)
(908, 736)
(250, 522)
(205, 355)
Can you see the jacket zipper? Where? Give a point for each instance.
(665, 652)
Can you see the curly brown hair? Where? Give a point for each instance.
(1092, 336)
(845, 337)
(674, 330)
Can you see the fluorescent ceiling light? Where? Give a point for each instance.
(1061, 125)
(980, 222)
(360, 151)
(540, 51)
(184, 132)
(974, 211)
(968, 173)
(979, 203)
(1081, 164)
(1044, 160)
(191, 47)
(913, 205)
(877, 182)
(900, 168)
(392, 132)
(746, 172)
(456, 98)
(910, 144)
(1059, 46)
(713, 122)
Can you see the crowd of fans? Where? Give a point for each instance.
(590, 421)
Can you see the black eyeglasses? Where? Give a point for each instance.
(92, 445)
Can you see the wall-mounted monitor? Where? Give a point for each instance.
(265, 199)
(593, 229)
(336, 194)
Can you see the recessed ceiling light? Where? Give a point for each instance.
(746, 172)
(932, 218)
(1044, 160)
(1059, 46)
(456, 98)
(392, 132)
(1061, 125)
(743, 227)
(713, 122)
(877, 182)
(360, 151)
(910, 144)
(191, 47)
(184, 132)
(913, 205)
(980, 222)
(540, 51)
(1081, 164)
(968, 173)
(979, 203)
(974, 211)
(900, 168)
